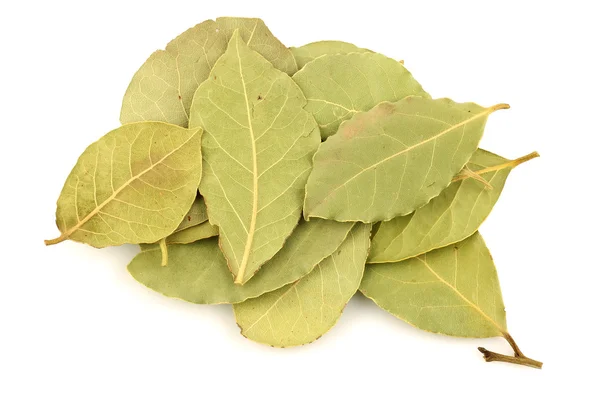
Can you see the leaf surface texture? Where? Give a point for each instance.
(198, 272)
(134, 185)
(258, 148)
(393, 159)
(453, 290)
(163, 88)
(303, 311)
(308, 52)
(452, 216)
(341, 85)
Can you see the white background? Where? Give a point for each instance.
(75, 325)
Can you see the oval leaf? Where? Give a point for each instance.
(163, 88)
(453, 290)
(308, 52)
(452, 216)
(198, 273)
(303, 311)
(134, 185)
(393, 159)
(258, 150)
(339, 86)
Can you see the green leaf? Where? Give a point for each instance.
(308, 52)
(195, 216)
(453, 290)
(303, 311)
(339, 86)
(163, 88)
(452, 216)
(198, 273)
(134, 185)
(257, 151)
(393, 159)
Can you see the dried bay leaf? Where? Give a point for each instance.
(308, 52)
(393, 159)
(257, 149)
(453, 290)
(198, 272)
(452, 216)
(339, 86)
(303, 311)
(163, 88)
(134, 185)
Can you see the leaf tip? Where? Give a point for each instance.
(164, 252)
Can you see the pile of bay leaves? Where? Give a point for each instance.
(284, 180)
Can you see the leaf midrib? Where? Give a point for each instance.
(463, 298)
(239, 279)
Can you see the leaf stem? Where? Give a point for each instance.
(510, 164)
(518, 358)
(164, 252)
(501, 106)
(525, 158)
(57, 240)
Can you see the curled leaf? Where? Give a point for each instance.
(134, 185)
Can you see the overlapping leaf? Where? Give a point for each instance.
(393, 159)
(192, 234)
(195, 216)
(163, 88)
(198, 273)
(452, 216)
(134, 185)
(339, 86)
(259, 38)
(453, 290)
(303, 311)
(257, 152)
(308, 52)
